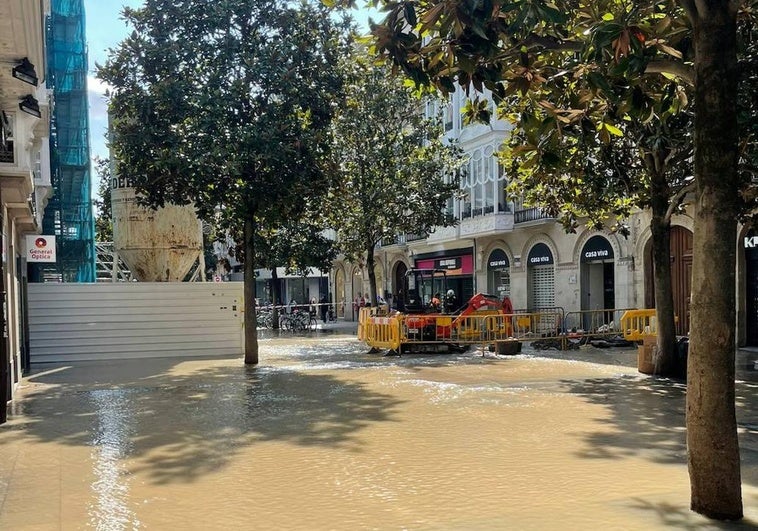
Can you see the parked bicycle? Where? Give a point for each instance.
(297, 321)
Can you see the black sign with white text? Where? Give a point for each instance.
(540, 255)
(596, 249)
(498, 260)
(448, 263)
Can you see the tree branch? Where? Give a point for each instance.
(550, 43)
(677, 199)
(680, 70)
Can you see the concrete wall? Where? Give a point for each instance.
(75, 322)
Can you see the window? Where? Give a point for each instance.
(502, 183)
(448, 116)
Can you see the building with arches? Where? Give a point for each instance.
(504, 248)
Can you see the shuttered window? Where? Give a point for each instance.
(541, 286)
(542, 295)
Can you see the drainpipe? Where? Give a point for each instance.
(4, 386)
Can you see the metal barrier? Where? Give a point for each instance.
(605, 322)
(378, 330)
(550, 319)
(636, 324)
(487, 327)
(478, 328)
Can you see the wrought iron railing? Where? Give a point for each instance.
(530, 214)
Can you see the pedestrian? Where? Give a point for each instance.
(451, 303)
(324, 303)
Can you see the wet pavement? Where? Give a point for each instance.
(323, 435)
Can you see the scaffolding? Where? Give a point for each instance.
(69, 213)
(112, 268)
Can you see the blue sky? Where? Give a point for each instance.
(105, 30)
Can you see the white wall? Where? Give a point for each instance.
(74, 322)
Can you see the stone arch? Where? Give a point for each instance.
(534, 240)
(585, 236)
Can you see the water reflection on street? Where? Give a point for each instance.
(323, 435)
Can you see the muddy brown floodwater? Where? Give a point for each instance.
(323, 435)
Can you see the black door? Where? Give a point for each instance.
(751, 296)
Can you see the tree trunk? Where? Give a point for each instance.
(276, 290)
(251, 324)
(371, 275)
(664, 358)
(712, 444)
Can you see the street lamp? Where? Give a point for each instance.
(30, 106)
(24, 71)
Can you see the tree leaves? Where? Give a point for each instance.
(396, 172)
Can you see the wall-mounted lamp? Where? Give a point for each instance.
(30, 106)
(25, 72)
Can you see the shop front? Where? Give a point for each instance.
(750, 242)
(540, 277)
(498, 274)
(597, 264)
(459, 271)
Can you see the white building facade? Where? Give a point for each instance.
(24, 165)
(503, 248)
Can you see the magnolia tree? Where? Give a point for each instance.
(397, 172)
(228, 105)
(581, 76)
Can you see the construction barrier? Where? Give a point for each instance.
(637, 324)
(605, 322)
(379, 331)
(391, 332)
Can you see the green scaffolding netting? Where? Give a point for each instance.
(68, 214)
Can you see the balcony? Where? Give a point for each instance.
(397, 240)
(530, 214)
(483, 225)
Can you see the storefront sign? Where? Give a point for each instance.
(40, 248)
(597, 248)
(498, 259)
(751, 242)
(540, 255)
(453, 265)
(448, 263)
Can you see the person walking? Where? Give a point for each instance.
(324, 303)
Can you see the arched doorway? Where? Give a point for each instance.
(339, 292)
(598, 291)
(540, 277)
(751, 287)
(499, 274)
(597, 281)
(681, 276)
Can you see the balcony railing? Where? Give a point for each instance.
(530, 214)
(401, 239)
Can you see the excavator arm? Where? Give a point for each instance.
(482, 302)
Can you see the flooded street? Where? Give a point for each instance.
(323, 435)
